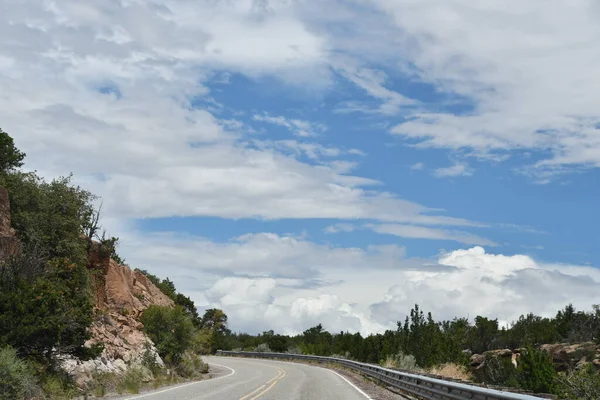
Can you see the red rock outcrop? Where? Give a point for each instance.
(121, 295)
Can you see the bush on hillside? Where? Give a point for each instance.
(581, 384)
(536, 372)
(263, 348)
(191, 365)
(48, 314)
(52, 215)
(171, 330)
(17, 380)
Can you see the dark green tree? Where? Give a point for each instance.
(52, 215)
(10, 157)
(46, 312)
(484, 334)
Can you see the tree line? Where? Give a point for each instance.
(432, 342)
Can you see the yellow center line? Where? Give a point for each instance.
(270, 387)
(280, 375)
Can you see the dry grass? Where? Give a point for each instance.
(389, 363)
(450, 370)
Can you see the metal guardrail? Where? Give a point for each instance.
(421, 386)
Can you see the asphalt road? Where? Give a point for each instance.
(249, 379)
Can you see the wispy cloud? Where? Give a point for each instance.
(455, 170)
(372, 81)
(417, 166)
(298, 127)
(341, 227)
(422, 232)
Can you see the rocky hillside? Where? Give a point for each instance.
(564, 356)
(120, 296)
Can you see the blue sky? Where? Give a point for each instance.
(552, 221)
(325, 162)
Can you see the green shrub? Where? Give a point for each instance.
(191, 365)
(149, 361)
(263, 348)
(536, 372)
(171, 330)
(58, 386)
(16, 376)
(582, 384)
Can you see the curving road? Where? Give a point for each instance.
(249, 379)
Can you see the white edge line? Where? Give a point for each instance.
(359, 390)
(187, 384)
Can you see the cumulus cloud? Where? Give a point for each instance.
(252, 314)
(267, 281)
(494, 285)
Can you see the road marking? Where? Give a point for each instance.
(273, 381)
(187, 384)
(270, 387)
(359, 390)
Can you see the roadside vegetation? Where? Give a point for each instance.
(423, 345)
(46, 301)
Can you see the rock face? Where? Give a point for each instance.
(564, 356)
(477, 361)
(9, 244)
(121, 295)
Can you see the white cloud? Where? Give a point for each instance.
(255, 309)
(151, 154)
(492, 285)
(341, 227)
(455, 170)
(417, 166)
(372, 82)
(301, 128)
(533, 86)
(421, 232)
(290, 284)
(148, 152)
(259, 255)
